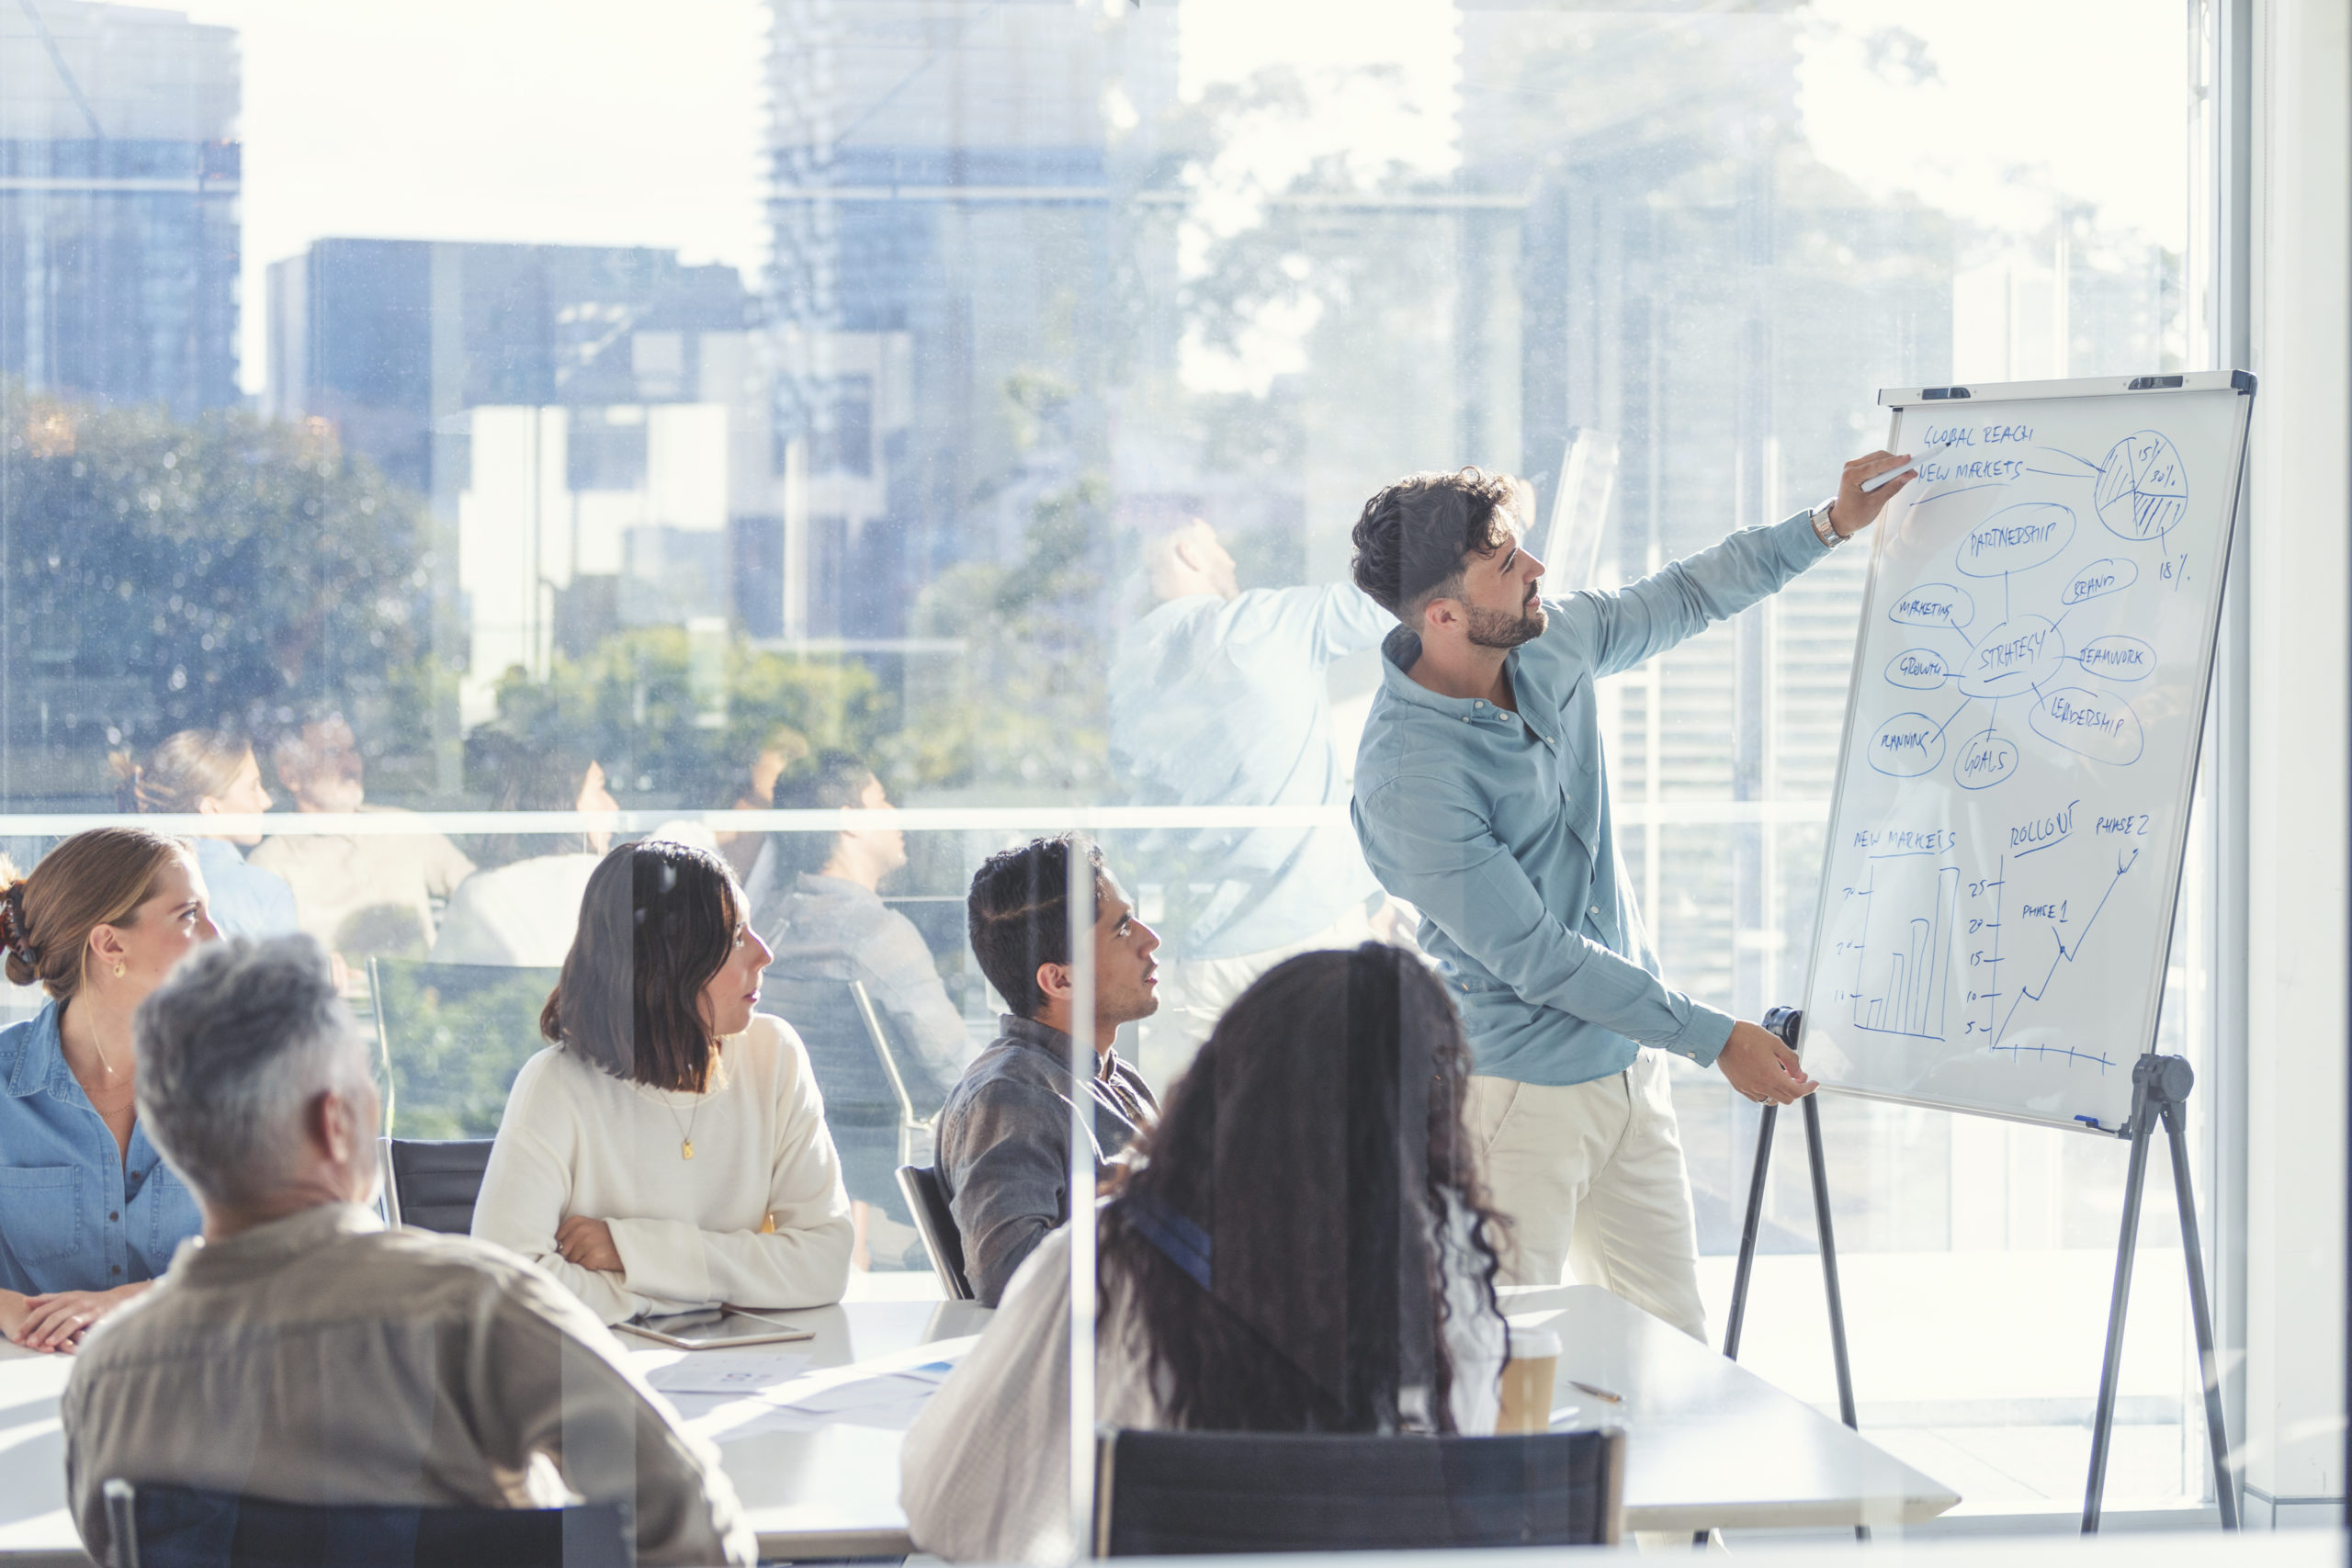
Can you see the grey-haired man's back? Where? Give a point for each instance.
(322, 1358)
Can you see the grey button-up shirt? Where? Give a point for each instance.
(825, 932)
(1495, 825)
(1004, 1144)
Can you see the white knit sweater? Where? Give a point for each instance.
(576, 1140)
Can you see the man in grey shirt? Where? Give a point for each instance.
(825, 921)
(301, 1352)
(1004, 1137)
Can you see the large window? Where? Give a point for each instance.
(481, 409)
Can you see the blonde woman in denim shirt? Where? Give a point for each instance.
(89, 1213)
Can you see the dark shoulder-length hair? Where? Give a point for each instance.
(1216, 1373)
(658, 920)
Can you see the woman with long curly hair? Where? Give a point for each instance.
(1304, 1248)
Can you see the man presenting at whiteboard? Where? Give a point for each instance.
(1481, 797)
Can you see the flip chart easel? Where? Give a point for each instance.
(2057, 566)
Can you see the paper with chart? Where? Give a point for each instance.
(2004, 847)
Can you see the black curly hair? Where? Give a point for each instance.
(1416, 536)
(1217, 1373)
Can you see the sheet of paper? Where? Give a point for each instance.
(749, 1371)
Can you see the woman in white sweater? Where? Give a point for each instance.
(669, 1152)
(1304, 1248)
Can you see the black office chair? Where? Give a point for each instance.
(1175, 1494)
(431, 1184)
(158, 1526)
(937, 1222)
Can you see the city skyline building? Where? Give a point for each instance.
(119, 173)
(589, 424)
(941, 205)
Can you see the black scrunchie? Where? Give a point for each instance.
(13, 930)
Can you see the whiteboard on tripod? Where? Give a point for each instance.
(2003, 851)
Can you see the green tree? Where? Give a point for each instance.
(634, 701)
(164, 574)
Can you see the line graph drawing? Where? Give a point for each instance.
(2065, 955)
(1915, 982)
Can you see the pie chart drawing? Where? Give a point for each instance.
(2143, 489)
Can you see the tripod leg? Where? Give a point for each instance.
(1747, 1232)
(1829, 1273)
(1738, 1316)
(2111, 1372)
(2209, 1365)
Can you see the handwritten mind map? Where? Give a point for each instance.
(2005, 846)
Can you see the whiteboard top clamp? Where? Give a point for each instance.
(2080, 386)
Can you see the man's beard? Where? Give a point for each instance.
(1492, 628)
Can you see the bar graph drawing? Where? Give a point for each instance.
(1903, 973)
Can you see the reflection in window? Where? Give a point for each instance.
(1041, 282)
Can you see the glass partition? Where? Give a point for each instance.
(416, 477)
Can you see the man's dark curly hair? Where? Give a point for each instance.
(1416, 536)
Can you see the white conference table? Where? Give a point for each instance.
(1710, 1444)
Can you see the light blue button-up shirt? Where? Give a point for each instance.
(1495, 825)
(1223, 702)
(241, 898)
(75, 1214)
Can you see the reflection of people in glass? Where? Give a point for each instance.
(1004, 1135)
(308, 1354)
(669, 1152)
(784, 747)
(1251, 1275)
(1219, 697)
(524, 905)
(360, 895)
(88, 1211)
(211, 772)
(827, 927)
(1481, 796)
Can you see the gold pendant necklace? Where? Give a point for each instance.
(686, 1127)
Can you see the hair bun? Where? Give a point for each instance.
(14, 934)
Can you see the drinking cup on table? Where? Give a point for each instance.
(1527, 1381)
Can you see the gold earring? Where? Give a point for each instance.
(117, 969)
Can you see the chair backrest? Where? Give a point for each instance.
(936, 1222)
(453, 1036)
(162, 1526)
(1193, 1492)
(885, 1055)
(434, 1182)
(849, 1047)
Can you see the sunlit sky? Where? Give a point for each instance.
(605, 122)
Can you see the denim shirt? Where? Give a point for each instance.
(74, 1214)
(1225, 702)
(1495, 825)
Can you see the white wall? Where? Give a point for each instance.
(2296, 1025)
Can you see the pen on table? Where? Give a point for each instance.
(1596, 1392)
(1879, 482)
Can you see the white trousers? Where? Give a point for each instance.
(1593, 1180)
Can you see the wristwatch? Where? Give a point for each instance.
(1830, 537)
